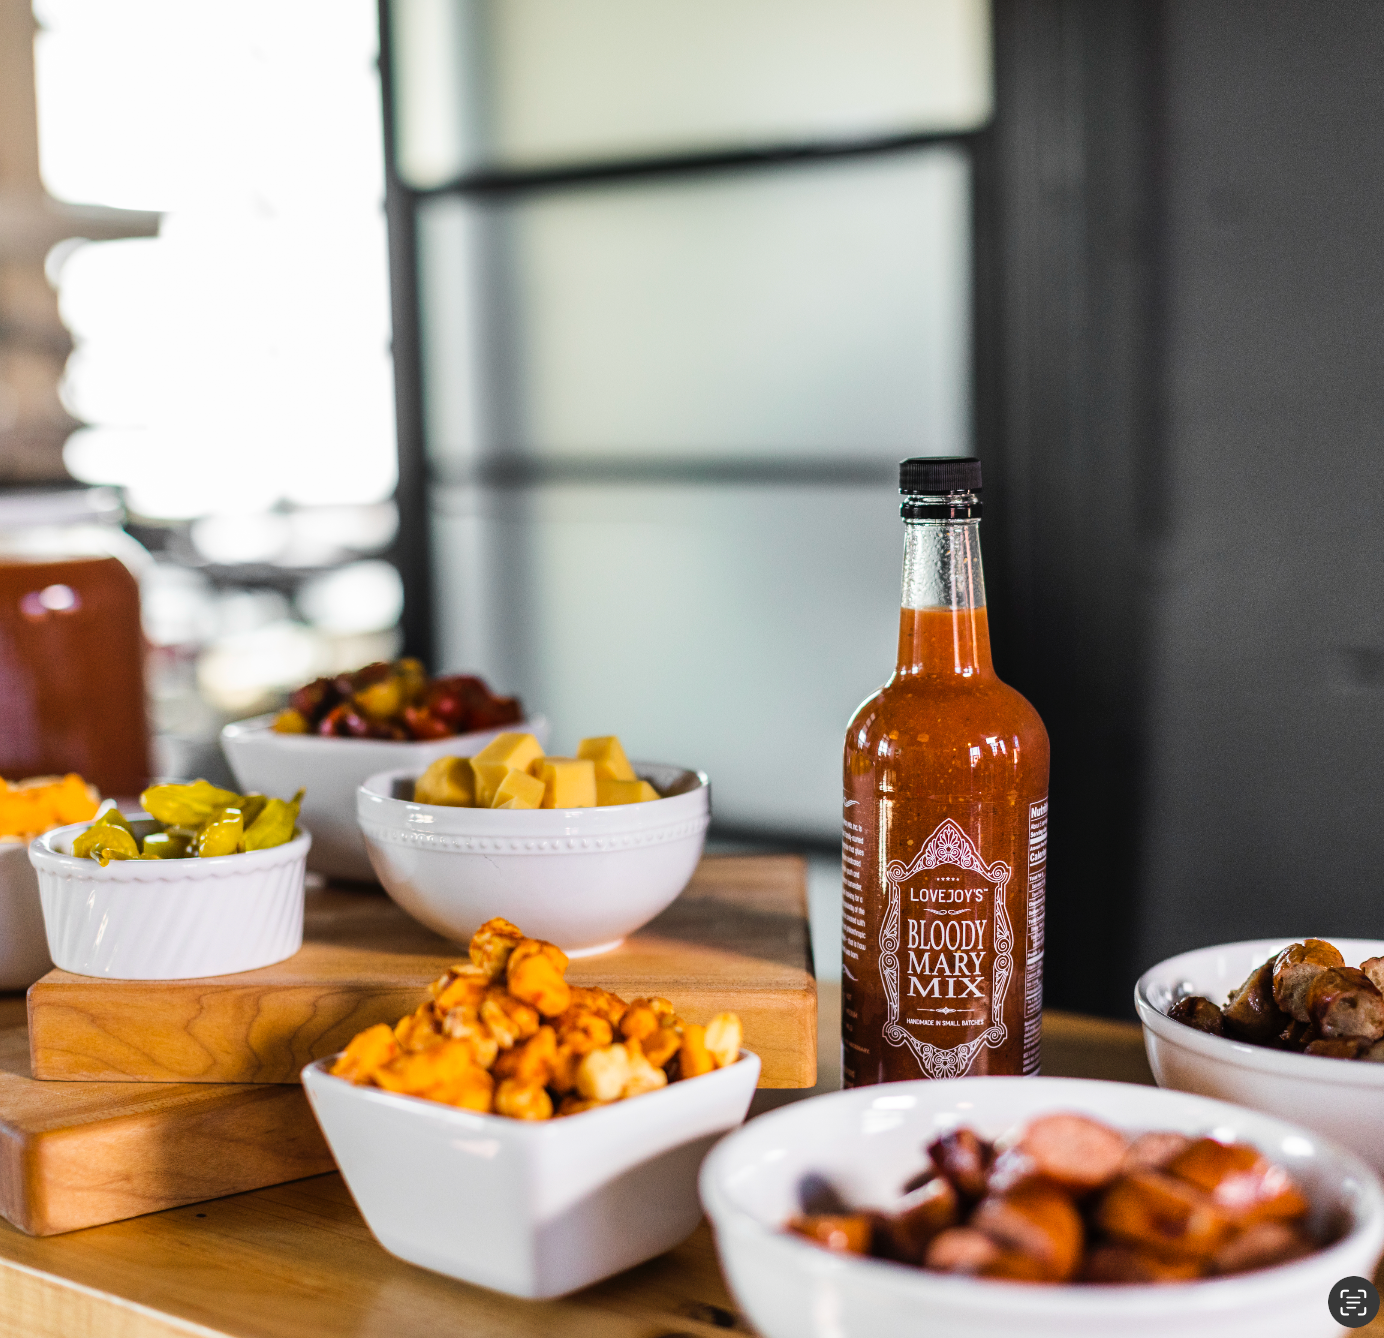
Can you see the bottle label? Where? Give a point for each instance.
(946, 952)
(1033, 973)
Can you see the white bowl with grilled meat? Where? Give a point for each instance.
(868, 1145)
(1342, 1098)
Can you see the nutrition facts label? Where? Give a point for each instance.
(852, 895)
(1033, 973)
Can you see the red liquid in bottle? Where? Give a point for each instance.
(72, 672)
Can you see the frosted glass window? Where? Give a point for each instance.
(575, 80)
(799, 311)
(734, 629)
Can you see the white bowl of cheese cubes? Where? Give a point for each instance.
(582, 850)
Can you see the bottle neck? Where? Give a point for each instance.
(943, 632)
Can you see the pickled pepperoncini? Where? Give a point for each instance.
(199, 820)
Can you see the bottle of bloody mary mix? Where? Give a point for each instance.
(945, 823)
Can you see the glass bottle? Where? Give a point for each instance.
(944, 827)
(71, 647)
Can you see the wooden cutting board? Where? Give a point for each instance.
(76, 1154)
(737, 938)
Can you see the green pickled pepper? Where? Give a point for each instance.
(167, 845)
(187, 805)
(108, 838)
(222, 834)
(275, 824)
(252, 806)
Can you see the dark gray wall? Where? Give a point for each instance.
(1181, 405)
(1265, 717)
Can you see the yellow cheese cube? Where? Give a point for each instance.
(518, 790)
(624, 791)
(448, 781)
(608, 757)
(506, 752)
(568, 782)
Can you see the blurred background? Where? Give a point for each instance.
(575, 342)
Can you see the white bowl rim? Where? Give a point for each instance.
(473, 1120)
(1242, 1054)
(43, 856)
(613, 819)
(1215, 1293)
(260, 727)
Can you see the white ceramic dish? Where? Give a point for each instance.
(868, 1141)
(532, 1209)
(23, 944)
(331, 770)
(1337, 1097)
(582, 878)
(175, 919)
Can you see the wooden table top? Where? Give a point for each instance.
(297, 1260)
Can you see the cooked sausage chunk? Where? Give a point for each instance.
(906, 1234)
(1165, 1216)
(1373, 967)
(1261, 1246)
(1294, 970)
(1038, 1220)
(844, 1235)
(1241, 1181)
(1252, 1013)
(964, 1159)
(1195, 1011)
(1343, 1003)
(1124, 1263)
(1153, 1151)
(1078, 1153)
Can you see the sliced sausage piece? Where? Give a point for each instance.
(1153, 1151)
(1125, 1264)
(972, 1253)
(1373, 967)
(1039, 1220)
(818, 1197)
(1073, 1151)
(1336, 1049)
(1373, 1054)
(848, 1234)
(1195, 1011)
(1262, 1246)
(1344, 1004)
(1297, 1036)
(1242, 1182)
(1294, 970)
(1251, 1013)
(905, 1234)
(1165, 1216)
(965, 1160)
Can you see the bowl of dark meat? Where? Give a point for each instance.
(1291, 1027)
(1049, 1207)
(337, 732)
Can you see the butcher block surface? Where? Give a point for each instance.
(76, 1154)
(737, 938)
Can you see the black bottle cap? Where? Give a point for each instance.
(936, 474)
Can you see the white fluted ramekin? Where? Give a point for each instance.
(582, 878)
(332, 770)
(174, 919)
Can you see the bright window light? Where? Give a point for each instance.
(241, 358)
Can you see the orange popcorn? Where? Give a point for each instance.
(532, 1047)
(28, 808)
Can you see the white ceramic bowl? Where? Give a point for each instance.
(1336, 1097)
(869, 1140)
(23, 945)
(582, 878)
(533, 1209)
(174, 919)
(331, 770)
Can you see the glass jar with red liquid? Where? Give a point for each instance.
(71, 648)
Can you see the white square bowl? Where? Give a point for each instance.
(331, 769)
(534, 1209)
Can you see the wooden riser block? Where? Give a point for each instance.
(77, 1154)
(736, 939)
